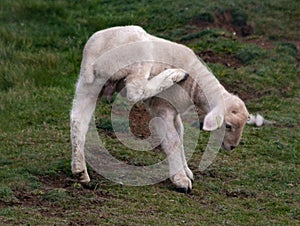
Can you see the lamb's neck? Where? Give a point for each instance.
(205, 91)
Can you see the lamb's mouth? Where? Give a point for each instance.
(228, 147)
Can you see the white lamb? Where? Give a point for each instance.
(148, 66)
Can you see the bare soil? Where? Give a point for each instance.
(139, 120)
(225, 59)
(224, 21)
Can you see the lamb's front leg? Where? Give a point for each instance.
(172, 145)
(82, 110)
(139, 87)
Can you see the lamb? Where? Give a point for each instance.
(148, 67)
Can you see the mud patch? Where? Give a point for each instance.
(55, 191)
(139, 119)
(240, 194)
(225, 59)
(235, 22)
(232, 20)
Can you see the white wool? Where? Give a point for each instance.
(258, 120)
(131, 54)
(251, 120)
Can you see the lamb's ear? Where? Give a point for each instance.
(212, 121)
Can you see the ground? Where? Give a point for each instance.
(252, 48)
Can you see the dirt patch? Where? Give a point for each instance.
(239, 194)
(139, 121)
(264, 43)
(60, 182)
(226, 59)
(234, 21)
(61, 196)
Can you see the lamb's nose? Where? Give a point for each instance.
(232, 147)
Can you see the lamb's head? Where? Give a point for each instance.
(232, 118)
(236, 116)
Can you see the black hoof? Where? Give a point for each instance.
(78, 175)
(184, 190)
(185, 76)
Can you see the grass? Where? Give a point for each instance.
(40, 47)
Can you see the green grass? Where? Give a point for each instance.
(41, 44)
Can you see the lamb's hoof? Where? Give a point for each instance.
(185, 190)
(189, 174)
(186, 75)
(82, 177)
(182, 182)
(178, 75)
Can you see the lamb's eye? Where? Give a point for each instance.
(228, 126)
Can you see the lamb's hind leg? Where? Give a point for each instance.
(139, 87)
(82, 110)
(172, 145)
(180, 130)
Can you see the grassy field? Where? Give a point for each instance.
(251, 46)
